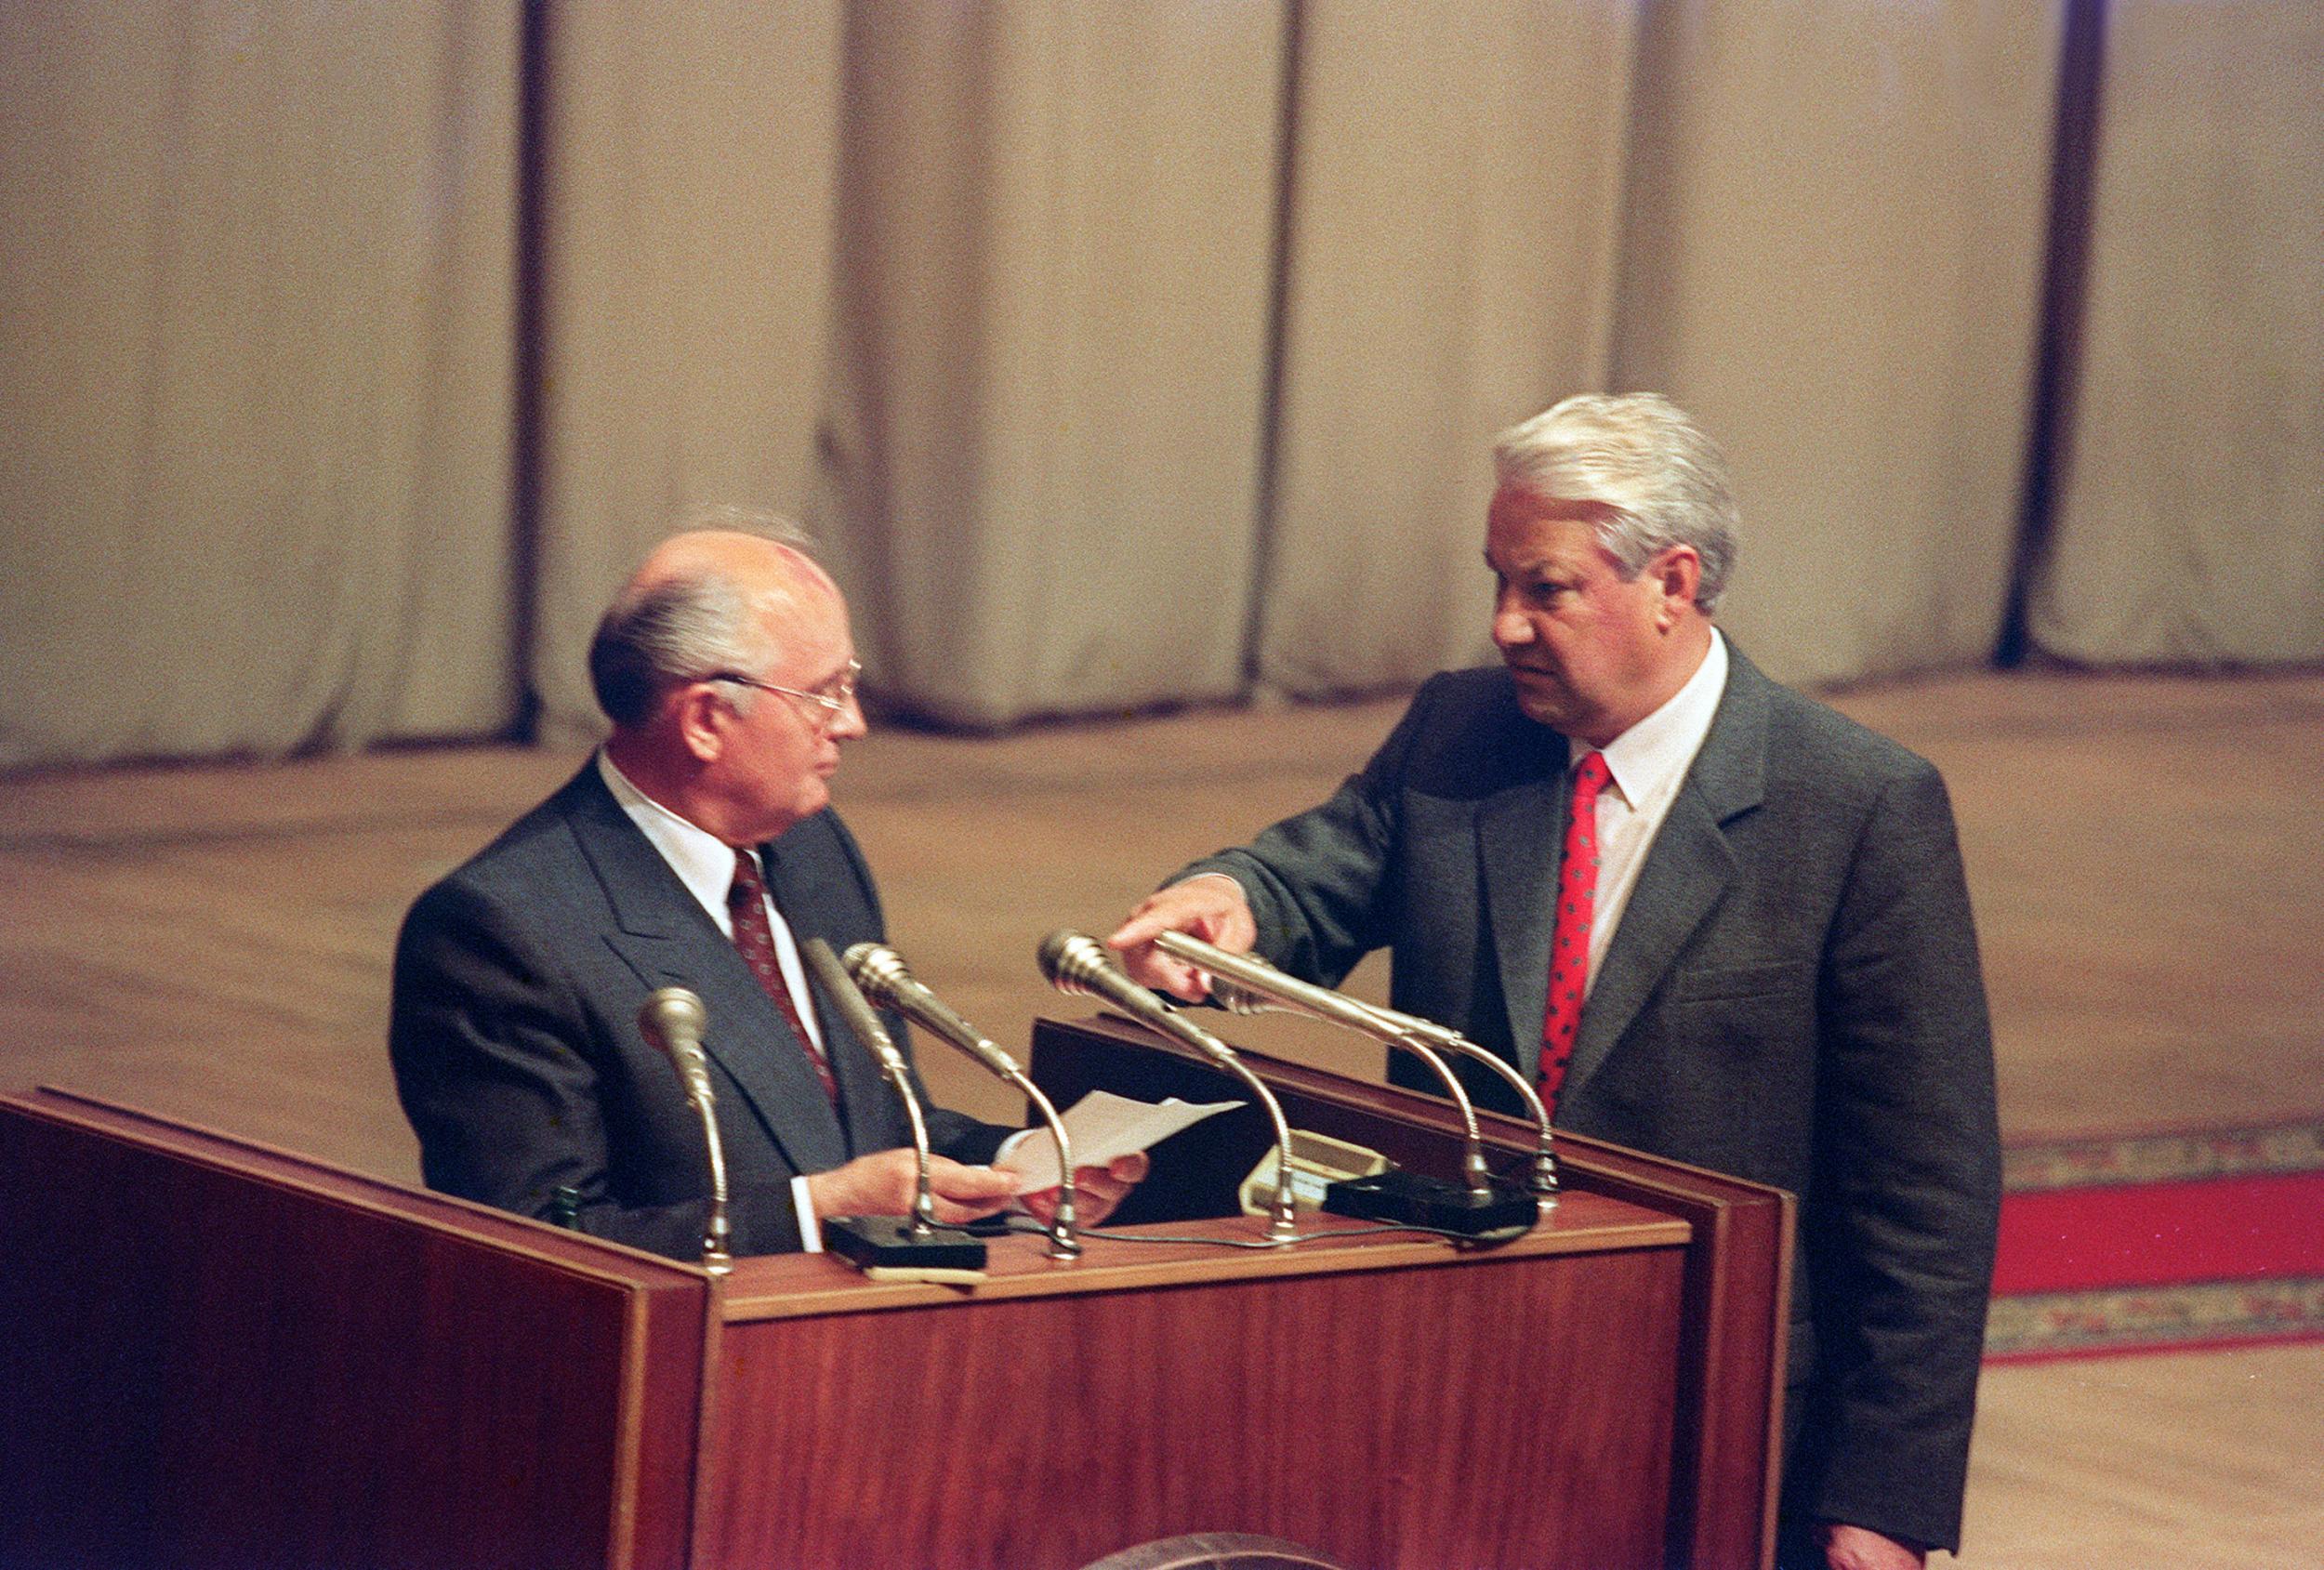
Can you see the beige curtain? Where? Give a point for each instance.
(687, 155)
(255, 376)
(1832, 256)
(2189, 525)
(1047, 401)
(1123, 354)
(1455, 195)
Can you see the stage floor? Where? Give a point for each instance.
(211, 941)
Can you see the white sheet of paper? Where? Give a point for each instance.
(1100, 1126)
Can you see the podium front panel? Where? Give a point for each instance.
(220, 1356)
(1388, 1416)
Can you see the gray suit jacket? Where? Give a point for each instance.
(517, 1054)
(1793, 995)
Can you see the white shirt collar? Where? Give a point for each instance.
(1650, 759)
(704, 863)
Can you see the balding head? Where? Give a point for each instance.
(770, 562)
(703, 601)
(728, 670)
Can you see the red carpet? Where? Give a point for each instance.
(2160, 1242)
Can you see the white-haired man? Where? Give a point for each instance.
(697, 848)
(1715, 920)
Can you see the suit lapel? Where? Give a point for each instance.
(668, 939)
(1518, 832)
(800, 887)
(1686, 871)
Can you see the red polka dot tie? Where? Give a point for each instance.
(1569, 946)
(754, 935)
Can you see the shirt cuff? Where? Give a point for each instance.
(809, 1233)
(1200, 875)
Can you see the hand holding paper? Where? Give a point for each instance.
(1103, 1127)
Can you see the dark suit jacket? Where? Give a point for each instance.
(1793, 995)
(517, 1053)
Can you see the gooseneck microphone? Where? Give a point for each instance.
(881, 972)
(1076, 963)
(1483, 1208)
(1543, 1179)
(1251, 986)
(884, 1241)
(1292, 995)
(891, 1065)
(672, 1021)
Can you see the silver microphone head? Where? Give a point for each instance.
(1076, 963)
(849, 1000)
(672, 1019)
(877, 969)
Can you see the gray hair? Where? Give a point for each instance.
(1638, 455)
(684, 627)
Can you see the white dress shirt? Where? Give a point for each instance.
(704, 864)
(1648, 763)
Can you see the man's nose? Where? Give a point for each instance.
(1511, 628)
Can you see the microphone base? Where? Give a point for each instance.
(887, 1243)
(1415, 1200)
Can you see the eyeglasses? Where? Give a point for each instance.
(833, 697)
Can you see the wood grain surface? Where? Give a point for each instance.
(219, 1356)
(1342, 1411)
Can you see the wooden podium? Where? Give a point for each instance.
(220, 1354)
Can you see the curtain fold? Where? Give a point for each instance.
(1043, 446)
(1832, 259)
(2189, 521)
(687, 155)
(1121, 355)
(1454, 206)
(254, 449)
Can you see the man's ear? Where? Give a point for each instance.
(1677, 571)
(701, 716)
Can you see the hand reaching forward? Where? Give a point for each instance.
(1211, 907)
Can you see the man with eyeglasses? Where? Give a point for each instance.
(697, 848)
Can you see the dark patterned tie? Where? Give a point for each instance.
(1569, 947)
(754, 935)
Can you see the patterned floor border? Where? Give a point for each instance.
(2279, 1301)
(2214, 1313)
(2155, 1158)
